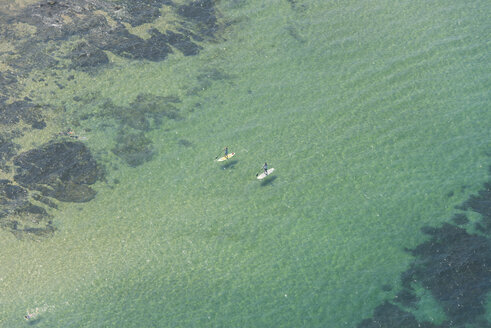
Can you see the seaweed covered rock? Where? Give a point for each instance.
(8, 150)
(87, 57)
(133, 147)
(62, 170)
(19, 215)
(22, 110)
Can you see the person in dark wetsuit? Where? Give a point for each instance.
(265, 168)
(226, 151)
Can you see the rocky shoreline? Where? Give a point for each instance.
(64, 35)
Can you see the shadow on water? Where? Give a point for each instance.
(229, 164)
(268, 181)
(34, 322)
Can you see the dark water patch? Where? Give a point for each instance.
(268, 180)
(454, 266)
(62, 170)
(293, 32)
(295, 5)
(133, 147)
(386, 288)
(184, 143)
(205, 79)
(152, 110)
(145, 113)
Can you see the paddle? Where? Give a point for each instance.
(218, 155)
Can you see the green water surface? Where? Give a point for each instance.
(374, 114)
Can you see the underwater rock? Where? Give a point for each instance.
(62, 170)
(26, 111)
(87, 57)
(8, 149)
(388, 315)
(202, 14)
(481, 204)
(183, 43)
(407, 298)
(454, 265)
(19, 215)
(58, 21)
(460, 219)
(133, 147)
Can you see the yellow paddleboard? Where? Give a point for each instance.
(224, 158)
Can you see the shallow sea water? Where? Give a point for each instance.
(371, 112)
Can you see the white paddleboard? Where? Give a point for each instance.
(263, 175)
(224, 158)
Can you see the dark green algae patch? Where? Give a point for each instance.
(56, 35)
(454, 265)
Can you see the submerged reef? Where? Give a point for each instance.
(19, 215)
(42, 32)
(62, 170)
(40, 40)
(454, 266)
(134, 148)
(58, 170)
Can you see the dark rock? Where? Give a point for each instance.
(87, 57)
(183, 43)
(18, 214)
(44, 200)
(62, 170)
(7, 150)
(13, 113)
(201, 13)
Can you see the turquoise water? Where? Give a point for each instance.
(372, 114)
